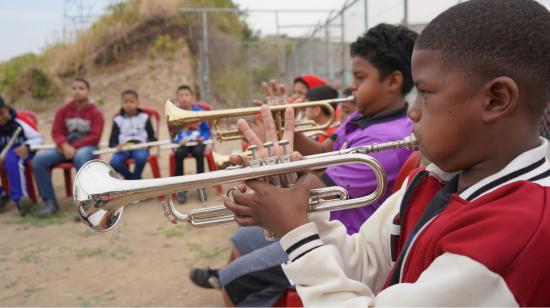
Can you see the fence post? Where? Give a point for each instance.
(206, 65)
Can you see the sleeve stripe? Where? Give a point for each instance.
(302, 242)
(303, 253)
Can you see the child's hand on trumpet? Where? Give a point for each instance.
(270, 135)
(279, 210)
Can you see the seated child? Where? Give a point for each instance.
(130, 126)
(379, 86)
(17, 156)
(321, 115)
(473, 228)
(196, 133)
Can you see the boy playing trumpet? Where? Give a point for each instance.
(472, 228)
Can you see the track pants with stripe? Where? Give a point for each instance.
(15, 169)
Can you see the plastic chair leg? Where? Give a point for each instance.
(68, 182)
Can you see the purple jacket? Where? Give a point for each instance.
(358, 179)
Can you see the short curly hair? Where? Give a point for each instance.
(491, 38)
(388, 48)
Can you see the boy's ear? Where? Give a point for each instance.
(394, 81)
(501, 98)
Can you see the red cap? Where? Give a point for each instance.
(311, 81)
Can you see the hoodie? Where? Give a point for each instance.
(78, 127)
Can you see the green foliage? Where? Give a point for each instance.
(9, 71)
(116, 252)
(175, 231)
(233, 85)
(30, 291)
(200, 254)
(56, 219)
(33, 255)
(97, 299)
(164, 43)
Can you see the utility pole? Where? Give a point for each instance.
(406, 13)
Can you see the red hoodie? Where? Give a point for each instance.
(78, 127)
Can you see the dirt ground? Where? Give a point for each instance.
(144, 261)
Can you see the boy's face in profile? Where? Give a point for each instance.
(79, 91)
(446, 114)
(346, 109)
(129, 104)
(4, 115)
(299, 91)
(312, 113)
(185, 98)
(367, 87)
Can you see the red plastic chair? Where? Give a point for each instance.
(289, 299)
(153, 159)
(410, 164)
(30, 118)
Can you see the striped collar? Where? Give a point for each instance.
(530, 165)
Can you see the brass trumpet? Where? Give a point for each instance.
(99, 196)
(177, 117)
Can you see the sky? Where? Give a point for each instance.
(30, 25)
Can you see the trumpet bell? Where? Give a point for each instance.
(89, 207)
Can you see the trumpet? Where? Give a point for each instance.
(177, 117)
(99, 196)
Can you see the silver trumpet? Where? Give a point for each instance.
(99, 195)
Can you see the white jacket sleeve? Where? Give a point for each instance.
(359, 263)
(331, 268)
(32, 136)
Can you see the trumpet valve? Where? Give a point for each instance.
(255, 162)
(285, 158)
(269, 160)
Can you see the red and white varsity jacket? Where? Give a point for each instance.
(431, 245)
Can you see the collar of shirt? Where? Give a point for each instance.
(526, 166)
(363, 121)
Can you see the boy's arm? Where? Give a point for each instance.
(306, 146)
(150, 130)
(93, 137)
(59, 131)
(338, 269)
(115, 132)
(360, 257)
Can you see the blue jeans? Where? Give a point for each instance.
(119, 163)
(44, 160)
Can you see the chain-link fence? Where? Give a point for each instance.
(323, 51)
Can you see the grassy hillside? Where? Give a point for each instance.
(135, 31)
